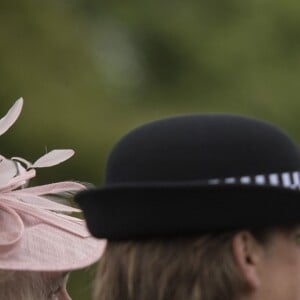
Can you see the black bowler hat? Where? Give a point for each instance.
(192, 174)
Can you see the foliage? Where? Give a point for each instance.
(89, 71)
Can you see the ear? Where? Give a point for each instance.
(247, 253)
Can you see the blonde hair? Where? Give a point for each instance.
(23, 285)
(171, 269)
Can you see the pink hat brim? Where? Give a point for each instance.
(47, 248)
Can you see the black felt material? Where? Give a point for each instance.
(154, 184)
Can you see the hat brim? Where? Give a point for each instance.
(44, 247)
(132, 212)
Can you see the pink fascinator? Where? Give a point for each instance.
(37, 233)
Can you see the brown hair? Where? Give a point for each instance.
(171, 269)
(23, 285)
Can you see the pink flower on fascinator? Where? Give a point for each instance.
(23, 208)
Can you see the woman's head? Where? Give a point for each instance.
(185, 176)
(248, 265)
(169, 269)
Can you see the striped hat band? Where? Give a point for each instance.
(290, 180)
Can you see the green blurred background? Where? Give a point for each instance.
(90, 71)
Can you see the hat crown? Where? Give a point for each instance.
(200, 147)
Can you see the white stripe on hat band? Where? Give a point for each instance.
(286, 179)
(245, 180)
(260, 179)
(296, 179)
(230, 180)
(274, 180)
(214, 181)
